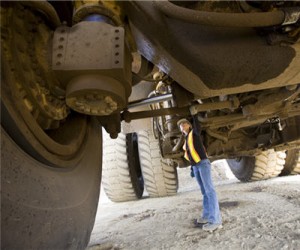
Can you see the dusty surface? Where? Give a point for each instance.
(257, 215)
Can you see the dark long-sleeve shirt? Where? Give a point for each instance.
(195, 151)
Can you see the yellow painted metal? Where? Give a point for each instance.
(25, 40)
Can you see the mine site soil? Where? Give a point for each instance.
(256, 215)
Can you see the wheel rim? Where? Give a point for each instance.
(35, 113)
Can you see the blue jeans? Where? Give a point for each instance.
(211, 210)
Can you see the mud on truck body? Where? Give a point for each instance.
(133, 68)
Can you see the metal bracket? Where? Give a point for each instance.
(93, 63)
(291, 15)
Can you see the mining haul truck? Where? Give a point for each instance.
(86, 82)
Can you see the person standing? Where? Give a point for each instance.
(201, 168)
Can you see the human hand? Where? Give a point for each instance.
(193, 110)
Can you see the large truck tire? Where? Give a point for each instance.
(160, 175)
(45, 207)
(122, 177)
(292, 162)
(267, 164)
(51, 157)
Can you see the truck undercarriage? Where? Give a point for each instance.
(134, 68)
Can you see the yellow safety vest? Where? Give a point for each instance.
(195, 156)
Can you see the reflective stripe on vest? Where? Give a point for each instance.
(193, 152)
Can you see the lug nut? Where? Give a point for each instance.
(108, 99)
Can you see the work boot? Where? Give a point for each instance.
(202, 220)
(210, 227)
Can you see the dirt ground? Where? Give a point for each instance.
(257, 215)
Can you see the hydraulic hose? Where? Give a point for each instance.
(258, 19)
